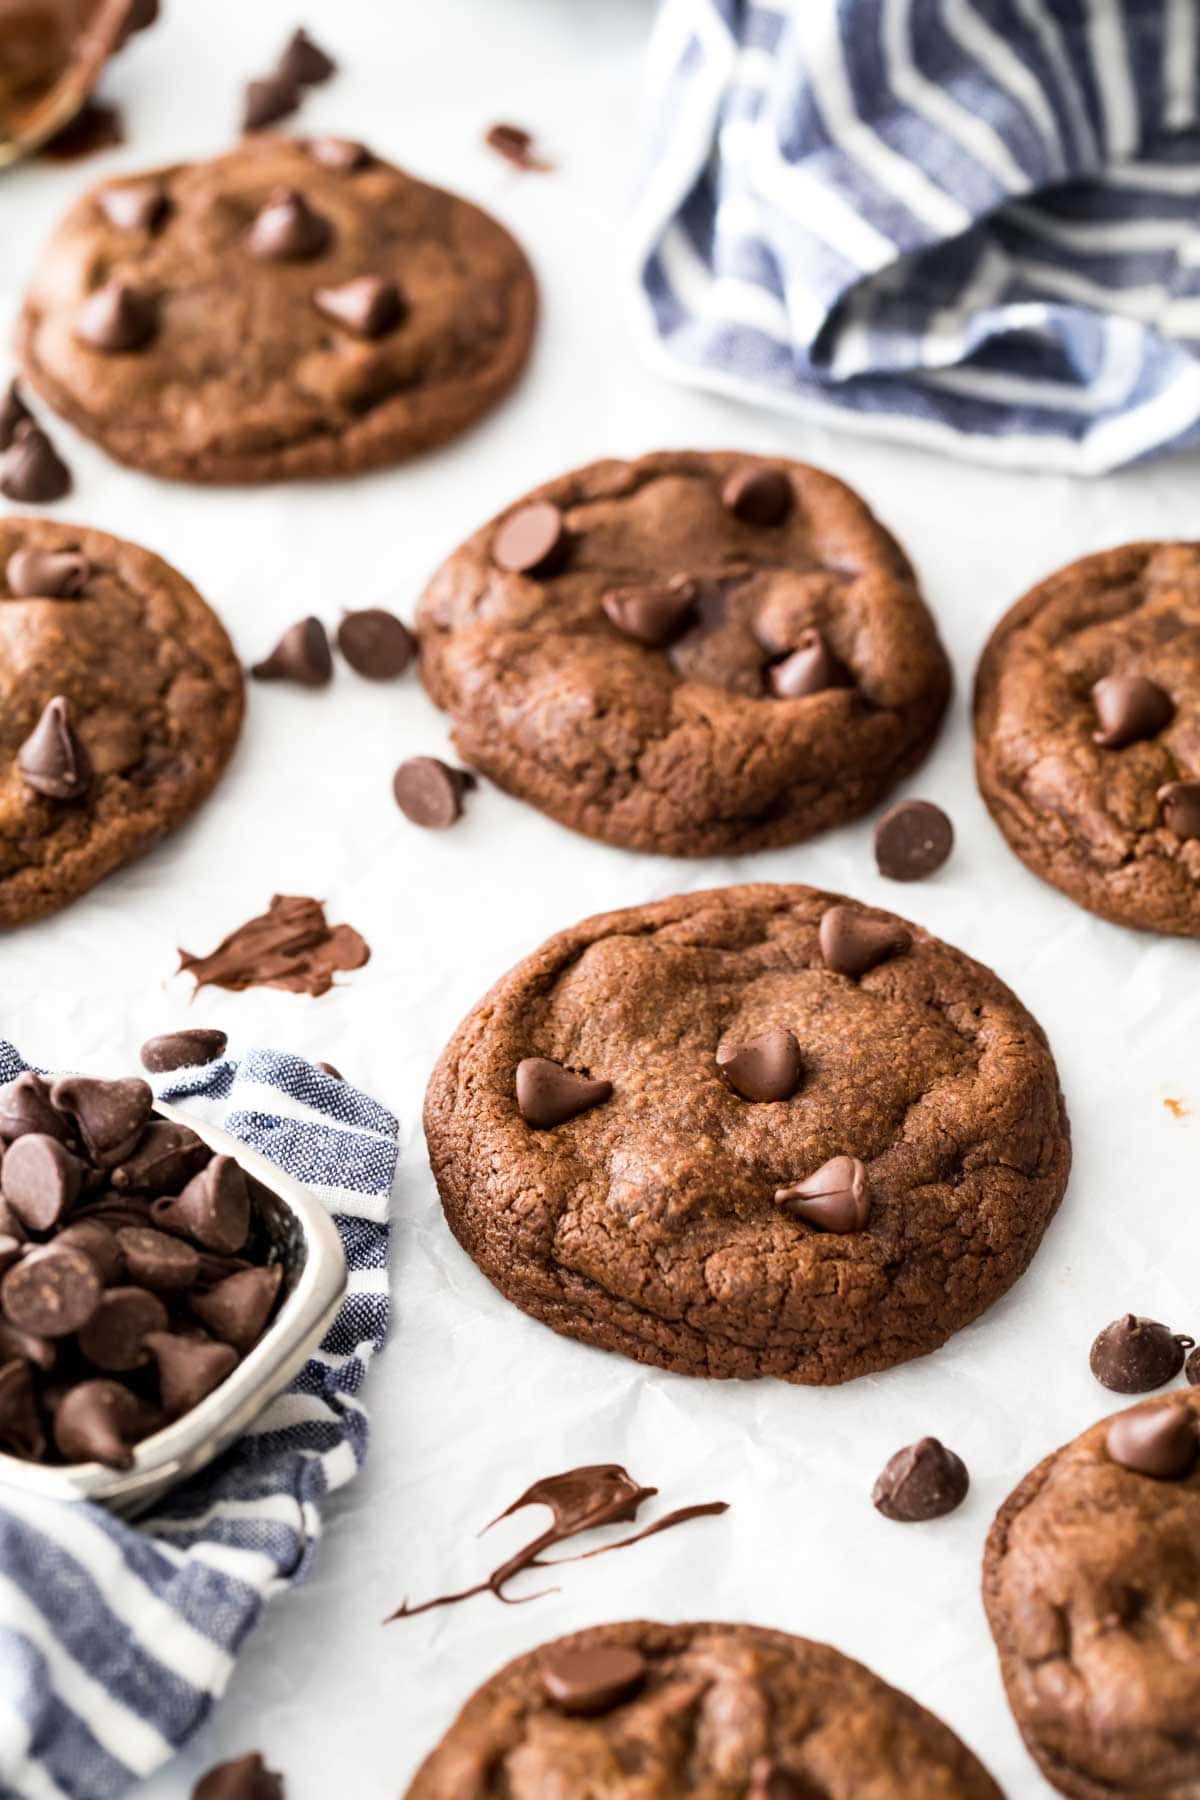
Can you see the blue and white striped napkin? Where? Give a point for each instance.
(115, 1639)
(973, 225)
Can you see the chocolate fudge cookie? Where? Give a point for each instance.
(1087, 720)
(754, 1131)
(120, 704)
(1090, 1582)
(695, 653)
(728, 1712)
(294, 308)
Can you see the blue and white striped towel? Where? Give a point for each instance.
(973, 225)
(115, 1639)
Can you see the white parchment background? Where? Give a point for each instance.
(472, 1401)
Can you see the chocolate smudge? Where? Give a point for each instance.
(290, 946)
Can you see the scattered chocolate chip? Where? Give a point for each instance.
(97, 1242)
(1132, 1355)
(114, 1338)
(53, 760)
(588, 1682)
(834, 1197)
(342, 155)
(287, 229)
(109, 1115)
(156, 1260)
(548, 1094)
(166, 1157)
(757, 494)
(852, 944)
(369, 305)
(188, 1369)
(245, 1778)
(376, 643)
(328, 1069)
(652, 612)
(25, 1105)
(46, 574)
(213, 1209)
(429, 792)
(515, 145)
(810, 669)
(1154, 1440)
(51, 1292)
(13, 412)
(99, 1421)
(1180, 802)
(923, 1481)
(301, 655)
(189, 1049)
(116, 318)
(21, 1431)
(532, 540)
(1129, 708)
(303, 62)
(267, 100)
(912, 840)
(135, 206)
(766, 1068)
(31, 469)
(41, 1180)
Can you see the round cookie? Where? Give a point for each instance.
(721, 1712)
(898, 1182)
(1090, 1582)
(696, 653)
(294, 308)
(154, 700)
(1114, 824)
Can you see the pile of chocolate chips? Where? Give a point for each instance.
(135, 1270)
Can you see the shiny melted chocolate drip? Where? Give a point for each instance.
(579, 1500)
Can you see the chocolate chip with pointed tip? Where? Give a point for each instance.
(1129, 708)
(549, 1095)
(757, 494)
(267, 99)
(97, 1242)
(188, 1049)
(1133, 1356)
(31, 468)
(301, 655)
(287, 229)
(109, 1115)
(1180, 803)
(114, 1338)
(851, 943)
(213, 1209)
(652, 612)
(368, 305)
(912, 839)
(52, 1292)
(245, 1778)
(166, 1156)
(376, 643)
(189, 1369)
(21, 1431)
(237, 1309)
(100, 1421)
(812, 668)
(834, 1197)
(303, 61)
(53, 760)
(922, 1481)
(13, 412)
(429, 792)
(156, 1260)
(135, 205)
(342, 155)
(1159, 1441)
(768, 1067)
(41, 1352)
(25, 1105)
(47, 574)
(532, 540)
(116, 318)
(41, 1180)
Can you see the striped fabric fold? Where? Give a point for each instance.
(115, 1638)
(969, 224)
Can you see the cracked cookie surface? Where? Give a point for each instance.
(685, 747)
(242, 377)
(1090, 1580)
(154, 691)
(1084, 816)
(648, 1224)
(723, 1712)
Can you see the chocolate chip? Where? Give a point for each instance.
(1191, 1368)
(515, 145)
(852, 944)
(156, 1260)
(342, 155)
(548, 1094)
(429, 792)
(766, 1068)
(51, 1292)
(268, 99)
(923, 1481)
(1132, 1355)
(13, 412)
(213, 1209)
(1129, 708)
(97, 1242)
(189, 1049)
(53, 760)
(25, 1105)
(237, 1309)
(369, 305)
(287, 229)
(246, 1778)
(110, 1115)
(46, 574)
(328, 1069)
(167, 1156)
(912, 840)
(652, 612)
(41, 1180)
(98, 1421)
(39, 1351)
(834, 1197)
(301, 655)
(188, 1369)
(810, 669)
(1180, 802)
(1154, 1440)
(114, 1338)
(303, 62)
(376, 643)
(532, 540)
(135, 206)
(21, 1431)
(116, 318)
(593, 1681)
(31, 469)
(757, 494)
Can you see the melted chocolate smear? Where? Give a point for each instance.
(290, 946)
(96, 126)
(579, 1500)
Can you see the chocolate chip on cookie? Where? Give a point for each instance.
(653, 612)
(758, 494)
(287, 229)
(52, 574)
(852, 943)
(1128, 709)
(116, 318)
(1133, 1356)
(1159, 1441)
(53, 760)
(769, 1067)
(530, 541)
(835, 1197)
(549, 1095)
(134, 205)
(368, 305)
(594, 1680)
(1180, 803)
